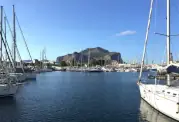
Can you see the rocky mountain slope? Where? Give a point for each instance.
(96, 53)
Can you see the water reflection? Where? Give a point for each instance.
(147, 113)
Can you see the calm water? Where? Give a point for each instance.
(79, 97)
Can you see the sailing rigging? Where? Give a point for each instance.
(164, 98)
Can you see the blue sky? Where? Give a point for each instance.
(65, 26)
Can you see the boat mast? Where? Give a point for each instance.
(81, 58)
(146, 40)
(43, 58)
(24, 40)
(89, 57)
(14, 36)
(75, 62)
(168, 39)
(40, 59)
(118, 58)
(1, 33)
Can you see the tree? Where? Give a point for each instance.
(74, 62)
(93, 62)
(100, 62)
(49, 65)
(97, 62)
(63, 63)
(37, 62)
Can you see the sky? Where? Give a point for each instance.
(65, 26)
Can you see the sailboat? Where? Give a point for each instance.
(44, 61)
(8, 84)
(164, 98)
(28, 73)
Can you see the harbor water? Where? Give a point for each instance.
(79, 97)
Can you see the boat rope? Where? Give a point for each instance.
(24, 40)
(5, 45)
(3, 67)
(21, 62)
(11, 34)
(15, 45)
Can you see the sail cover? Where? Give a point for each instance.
(173, 68)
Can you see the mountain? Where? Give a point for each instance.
(96, 53)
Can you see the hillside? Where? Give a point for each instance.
(97, 53)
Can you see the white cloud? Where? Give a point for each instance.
(126, 33)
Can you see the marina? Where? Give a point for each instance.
(91, 71)
(74, 96)
(12, 71)
(162, 97)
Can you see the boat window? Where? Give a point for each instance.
(174, 94)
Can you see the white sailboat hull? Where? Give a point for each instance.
(127, 70)
(163, 98)
(20, 76)
(8, 90)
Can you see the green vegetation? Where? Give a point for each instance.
(97, 62)
(75, 63)
(37, 63)
(63, 64)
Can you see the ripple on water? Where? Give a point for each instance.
(75, 97)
